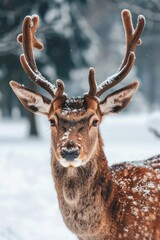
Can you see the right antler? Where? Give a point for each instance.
(132, 40)
(29, 40)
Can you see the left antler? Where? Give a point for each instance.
(132, 40)
(29, 40)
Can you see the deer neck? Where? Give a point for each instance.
(86, 191)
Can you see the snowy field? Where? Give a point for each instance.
(28, 204)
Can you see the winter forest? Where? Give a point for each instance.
(76, 34)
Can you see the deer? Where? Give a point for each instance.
(97, 202)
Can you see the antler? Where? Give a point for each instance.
(132, 40)
(28, 41)
(92, 83)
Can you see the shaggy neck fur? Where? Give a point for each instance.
(80, 193)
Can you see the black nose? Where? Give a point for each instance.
(70, 153)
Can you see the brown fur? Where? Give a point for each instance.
(98, 202)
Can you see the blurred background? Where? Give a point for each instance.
(76, 34)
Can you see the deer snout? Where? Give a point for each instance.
(70, 154)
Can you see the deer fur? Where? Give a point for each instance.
(100, 203)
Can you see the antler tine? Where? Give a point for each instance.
(92, 83)
(29, 40)
(132, 40)
(60, 88)
(132, 36)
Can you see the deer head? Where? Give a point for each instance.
(75, 121)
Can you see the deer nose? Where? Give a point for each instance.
(70, 154)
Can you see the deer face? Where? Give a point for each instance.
(74, 130)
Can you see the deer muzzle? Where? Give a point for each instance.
(70, 154)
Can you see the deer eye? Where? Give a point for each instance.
(95, 123)
(52, 122)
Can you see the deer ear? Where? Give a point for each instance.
(117, 101)
(31, 100)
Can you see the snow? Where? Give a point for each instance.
(28, 202)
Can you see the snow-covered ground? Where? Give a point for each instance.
(28, 204)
